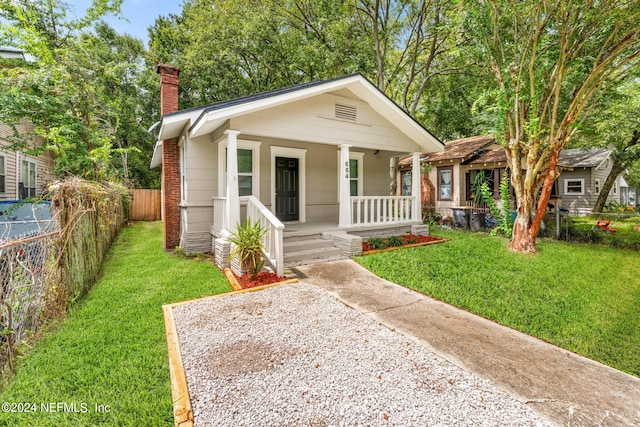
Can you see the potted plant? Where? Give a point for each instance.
(248, 247)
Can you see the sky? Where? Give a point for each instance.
(141, 14)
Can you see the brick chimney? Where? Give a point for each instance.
(170, 159)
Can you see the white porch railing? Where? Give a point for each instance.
(273, 238)
(381, 210)
(219, 215)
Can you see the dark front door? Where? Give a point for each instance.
(287, 196)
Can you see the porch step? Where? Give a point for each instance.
(387, 232)
(299, 250)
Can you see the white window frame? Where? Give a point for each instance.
(573, 193)
(439, 170)
(614, 190)
(35, 175)
(293, 153)
(359, 157)
(3, 177)
(243, 144)
(596, 186)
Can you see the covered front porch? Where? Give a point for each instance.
(291, 208)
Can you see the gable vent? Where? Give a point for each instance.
(346, 112)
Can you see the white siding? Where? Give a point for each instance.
(307, 121)
(583, 204)
(45, 165)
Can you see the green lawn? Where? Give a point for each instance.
(626, 237)
(111, 350)
(584, 298)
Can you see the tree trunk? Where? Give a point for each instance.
(393, 176)
(616, 169)
(522, 240)
(543, 201)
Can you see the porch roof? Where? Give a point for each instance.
(206, 119)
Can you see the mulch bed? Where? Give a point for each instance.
(263, 278)
(409, 241)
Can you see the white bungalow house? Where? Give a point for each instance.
(309, 162)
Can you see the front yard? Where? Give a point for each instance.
(107, 363)
(584, 298)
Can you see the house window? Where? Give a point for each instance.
(615, 188)
(3, 174)
(574, 187)
(354, 178)
(27, 184)
(248, 168)
(445, 183)
(596, 186)
(245, 171)
(406, 183)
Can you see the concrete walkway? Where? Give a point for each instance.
(569, 389)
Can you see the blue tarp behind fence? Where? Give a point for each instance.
(19, 219)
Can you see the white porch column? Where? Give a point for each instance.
(416, 184)
(344, 187)
(233, 196)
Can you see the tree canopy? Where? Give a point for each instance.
(79, 97)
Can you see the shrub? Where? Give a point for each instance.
(395, 241)
(617, 207)
(377, 243)
(248, 247)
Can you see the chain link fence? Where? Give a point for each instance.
(50, 256)
(22, 281)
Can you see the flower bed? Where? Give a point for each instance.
(263, 278)
(377, 244)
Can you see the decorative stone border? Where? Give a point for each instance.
(182, 411)
(412, 245)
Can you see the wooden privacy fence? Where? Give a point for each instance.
(145, 205)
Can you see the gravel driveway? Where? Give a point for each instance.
(294, 355)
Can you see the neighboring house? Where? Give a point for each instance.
(453, 170)
(21, 175)
(582, 173)
(308, 159)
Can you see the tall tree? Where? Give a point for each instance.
(258, 45)
(413, 42)
(79, 95)
(552, 60)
